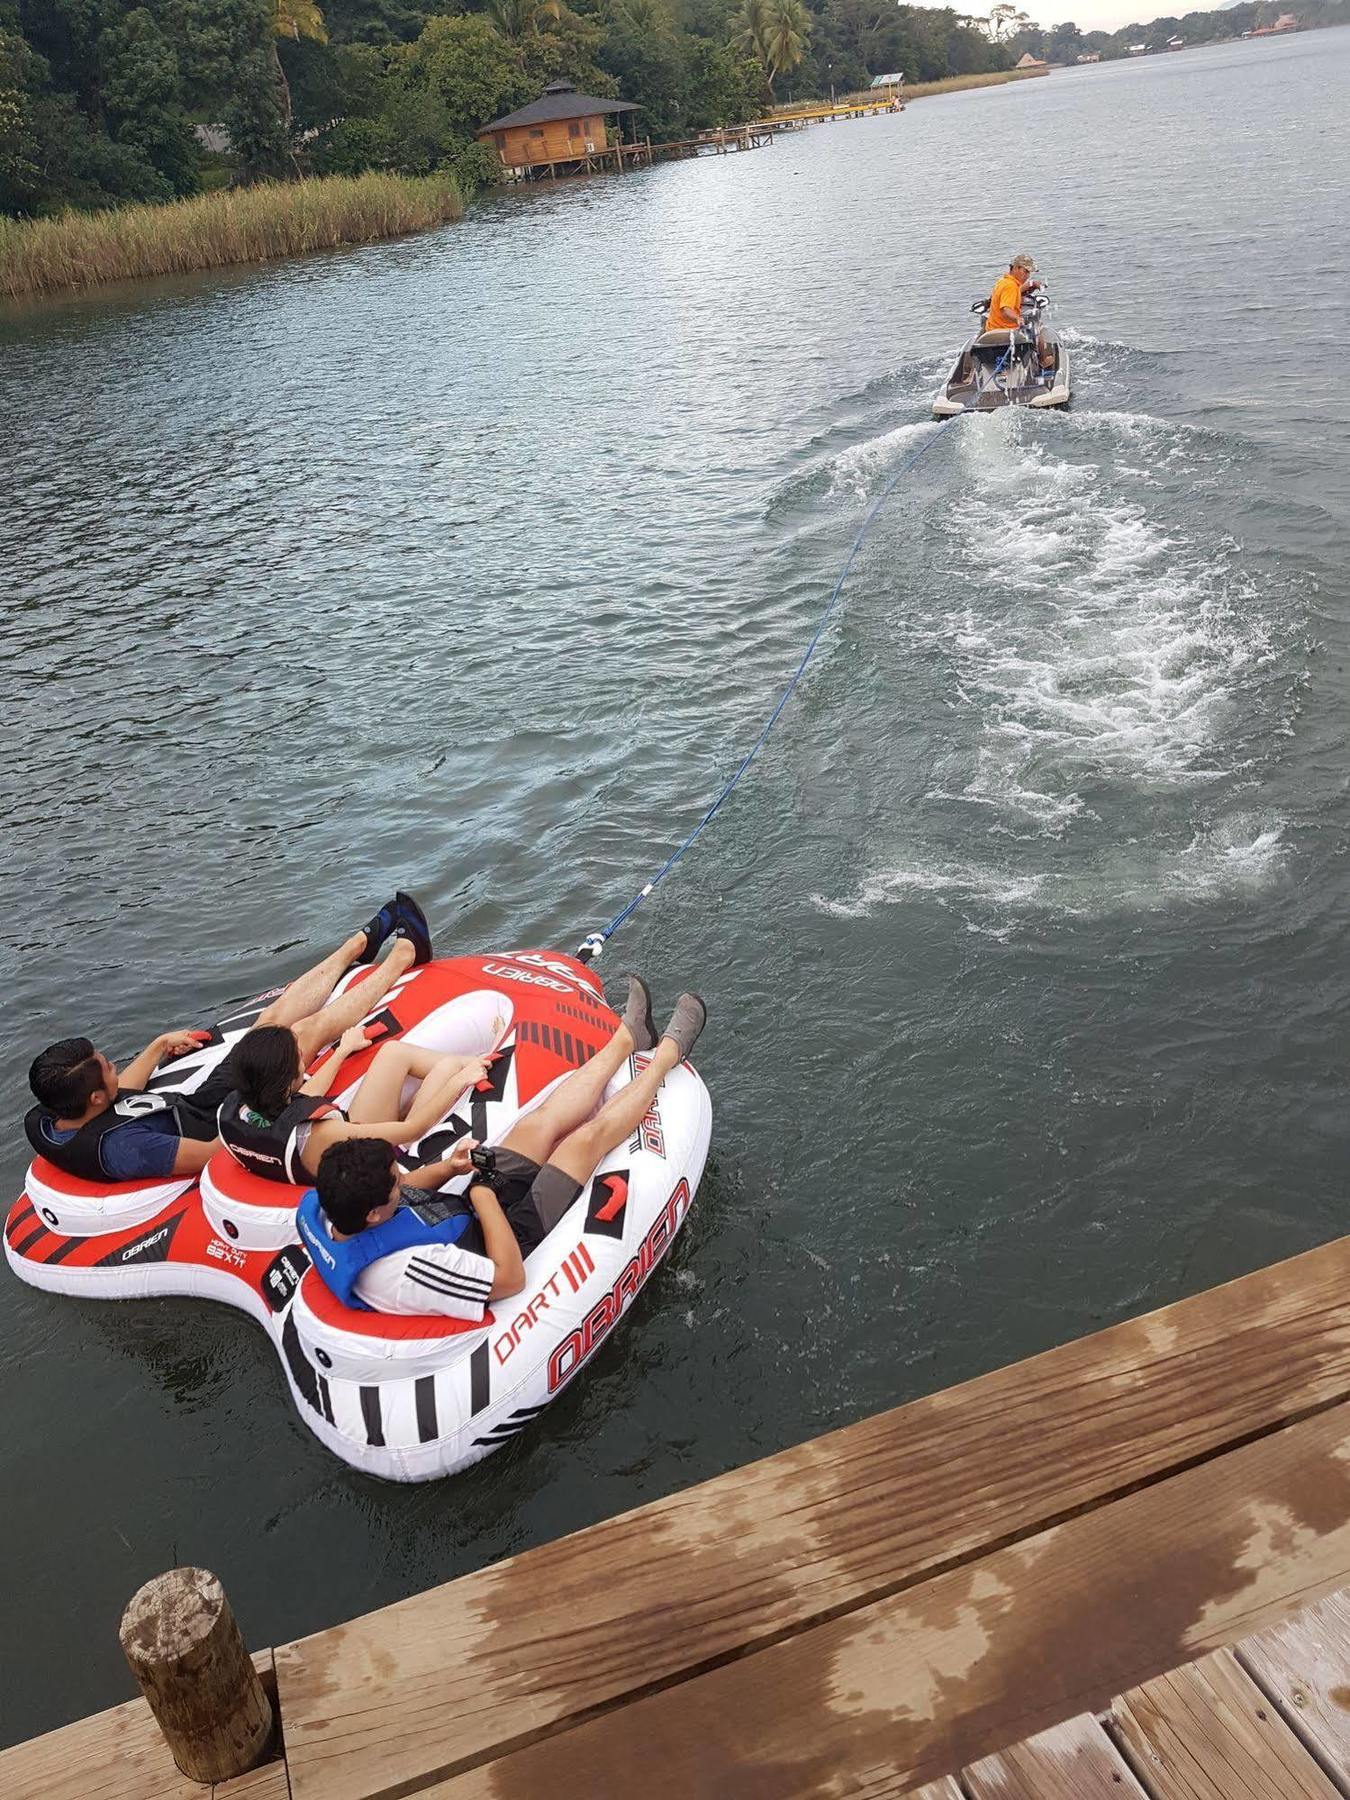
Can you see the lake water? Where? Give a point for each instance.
(472, 563)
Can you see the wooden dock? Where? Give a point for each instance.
(717, 143)
(1102, 1571)
(829, 112)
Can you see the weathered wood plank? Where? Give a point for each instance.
(526, 1646)
(121, 1755)
(269, 1783)
(946, 1789)
(1206, 1732)
(1303, 1664)
(925, 1682)
(1072, 1761)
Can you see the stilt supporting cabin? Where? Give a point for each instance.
(562, 133)
(1117, 1571)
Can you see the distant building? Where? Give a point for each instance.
(1031, 62)
(1176, 43)
(888, 81)
(1285, 22)
(1089, 56)
(561, 133)
(1136, 49)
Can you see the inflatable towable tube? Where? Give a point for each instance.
(405, 1398)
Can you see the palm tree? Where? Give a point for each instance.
(293, 19)
(517, 19)
(751, 29)
(777, 32)
(789, 31)
(648, 18)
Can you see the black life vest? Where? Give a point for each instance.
(82, 1155)
(272, 1150)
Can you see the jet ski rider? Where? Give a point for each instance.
(380, 1244)
(99, 1123)
(1005, 304)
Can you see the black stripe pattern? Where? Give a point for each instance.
(571, 1050)
(370, 1412)
(424, 1396)
(21, 1244)
(479, 1379)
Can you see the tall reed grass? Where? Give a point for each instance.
(951, 83)
(916, 90)
(243, 225)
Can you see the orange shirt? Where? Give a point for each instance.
(1005, 304)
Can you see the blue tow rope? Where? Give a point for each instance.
(594, 944)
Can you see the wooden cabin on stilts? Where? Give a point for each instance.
(563, 133)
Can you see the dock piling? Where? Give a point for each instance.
(179, 1636)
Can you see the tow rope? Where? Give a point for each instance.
(593, 945)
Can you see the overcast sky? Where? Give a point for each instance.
(1109, 15)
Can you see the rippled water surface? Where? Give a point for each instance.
(472, 563)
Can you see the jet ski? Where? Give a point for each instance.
(1004, 368)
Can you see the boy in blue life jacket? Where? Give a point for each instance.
(378, 1242)
(99, 1122)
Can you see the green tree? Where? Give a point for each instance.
(777, 32)
(21, 180)
(141, 90)
(254, 114)
(724, 85)
(297, 21)
(516, 20)
(380, 21)
(568, 48)
(474, 72)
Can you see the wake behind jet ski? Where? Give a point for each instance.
(1009, 364)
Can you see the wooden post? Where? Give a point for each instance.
(180, 1638)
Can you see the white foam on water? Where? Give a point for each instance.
(1084, 340)
(1100, 666)
(1241, 854)
(1244, 851)
(855, 472)
(888, 886)
(1104, 648)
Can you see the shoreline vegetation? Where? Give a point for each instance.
(264, 223)
(916, 90)
(951, 84)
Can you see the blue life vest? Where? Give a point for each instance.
(340, 1260)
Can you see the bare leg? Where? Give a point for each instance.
(307, 993)
(618, 1119)
(347, 1009)
(380, 1095)
(572, 1102)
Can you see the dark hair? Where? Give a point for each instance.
(265, 1063)
(353, 1180)
(65, 1076)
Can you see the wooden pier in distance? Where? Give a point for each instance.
(1111, 1569)
(829, 112)
(717, 143)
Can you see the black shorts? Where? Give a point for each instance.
(533, 1198)
(197, 1110)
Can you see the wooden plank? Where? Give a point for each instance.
(268, 1783)
(1303, 1665)
(120, 1755)
(946, 1789)
(1206, 1732)
(655, 1595)
(916, 1685)
(1072, 1761)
